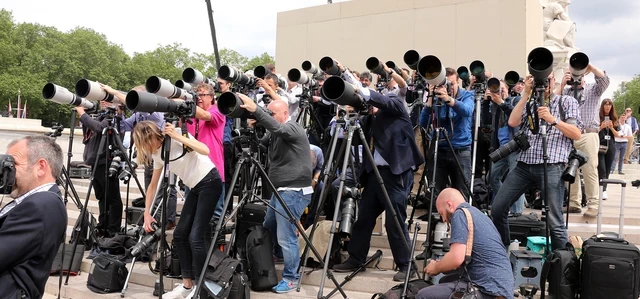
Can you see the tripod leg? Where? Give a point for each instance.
(328, 174)
(460, 170)
(336, 210)
(295, 222)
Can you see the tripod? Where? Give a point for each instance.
(479, 89)
(353, 128)
(432, 183)
(244, 162)
(104, 147)
(308, 118)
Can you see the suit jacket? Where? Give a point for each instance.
(30, 235)
(392, 134)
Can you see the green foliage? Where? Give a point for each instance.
(32, 55)
(628, 95)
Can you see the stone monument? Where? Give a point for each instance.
(559, 33)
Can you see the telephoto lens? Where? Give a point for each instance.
(114, 166)
(146, 242)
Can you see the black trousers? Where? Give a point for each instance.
(483, 163)
(109, 200)
(605, 161)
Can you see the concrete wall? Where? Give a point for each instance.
(499, 32)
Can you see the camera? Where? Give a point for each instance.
(519, 142)
(92, 91)
(140, 101)
(7, 174)
(349, 194)
(146, 242)
(336, 90)
(229, 105)
(329, 66)
(56, 130)
(463, 74)
(195, 77)
(308, 67)
(576, 160)
(295, 75)
(540, 61)
(114, 167)
(411, 59)
(63, 96)
(232, 74)
(432, 70)
(164, 88)
(578, 63)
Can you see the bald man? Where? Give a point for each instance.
(489, 267)
(290, 171)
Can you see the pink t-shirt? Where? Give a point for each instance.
(211, 134)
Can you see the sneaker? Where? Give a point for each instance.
(284, 286)
(192, 294)
(401, 275)
(620, 173)
(179, 292)
(575, 210)
(604, 195)
(347, 266)
(591, 213)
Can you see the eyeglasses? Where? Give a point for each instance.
(628, 110)
(204, 94)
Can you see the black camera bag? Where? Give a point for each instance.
(262, 269)
(107, 274)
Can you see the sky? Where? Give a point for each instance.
(606, 33)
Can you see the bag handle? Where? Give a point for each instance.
(545, 273)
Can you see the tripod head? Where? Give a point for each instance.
(56, 130)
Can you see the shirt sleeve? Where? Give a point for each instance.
(459, 228)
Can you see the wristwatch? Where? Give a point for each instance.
(390, 73)
(447, 100)
(555, 122)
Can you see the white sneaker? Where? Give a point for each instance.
(604, 195)
(192, 294)
(179, 292)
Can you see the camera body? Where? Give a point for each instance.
(519, 142)
(576, 160)
(7, 174)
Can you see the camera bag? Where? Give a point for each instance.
(562, 270)
(107, 274)
(68, 266)
(259, 258)
(523, 226)
(610, 264)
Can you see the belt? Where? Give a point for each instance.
(590, 130)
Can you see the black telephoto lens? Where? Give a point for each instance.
(147, 241)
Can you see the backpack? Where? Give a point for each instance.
(262, 269)
(83, 230)
(396, 291)
(562, 270)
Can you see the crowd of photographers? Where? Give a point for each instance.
(526, 131)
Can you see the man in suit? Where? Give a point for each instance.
(32, 226)
(396, 156)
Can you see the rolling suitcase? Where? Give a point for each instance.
(610, 264)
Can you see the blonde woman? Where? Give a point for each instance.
(198, 173)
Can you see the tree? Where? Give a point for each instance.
(262, 59)
(628, 95)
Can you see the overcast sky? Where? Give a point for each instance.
(607, 33)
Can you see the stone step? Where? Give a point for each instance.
(77, 288)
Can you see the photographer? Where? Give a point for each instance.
(589, 100)
(229, 152)
(290, 172)
(126, 125)
(563, 127)
(505, 105)
(488, 269)
(366, 79)
(208, 128)
(198, 173)
(455, 117)
(33, 225)
(109, 200)
(271, 88)
(395, 156)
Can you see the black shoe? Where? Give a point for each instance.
(400, 276)
(347, 266)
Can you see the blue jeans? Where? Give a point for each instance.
(522, 178)
(286, 239)
(498, 171)
(621, 149)
(194, 221)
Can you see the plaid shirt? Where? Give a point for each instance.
(589, 100)
(558, 145)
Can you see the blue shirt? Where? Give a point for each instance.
(459, 119)
(156, 117)
(317, 159)
(226, 138)
(489, 267)
(505, 132)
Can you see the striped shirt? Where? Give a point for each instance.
(589, 100)
(19, 200)
(558, 145)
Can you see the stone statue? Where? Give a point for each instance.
(558, 28)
